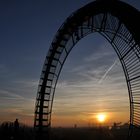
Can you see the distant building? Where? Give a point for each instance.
(75, 125)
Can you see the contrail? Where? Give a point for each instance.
(108, 70)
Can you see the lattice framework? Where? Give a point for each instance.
(119, 25)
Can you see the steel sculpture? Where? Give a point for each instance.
(119, 23)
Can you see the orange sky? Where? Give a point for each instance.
(82, 92)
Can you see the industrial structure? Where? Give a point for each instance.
(119, 24)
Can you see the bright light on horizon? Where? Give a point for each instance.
(101, 118)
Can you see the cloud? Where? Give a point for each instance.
(13, 100)
(91, 77)
(10, 96)
(93, 65)
(26, 87)
(79, 89)
(19, 95)
(103, 52)
(98, 56)
(107, 71)
(27, 82)
(15, 105)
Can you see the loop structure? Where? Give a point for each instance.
(117, 22)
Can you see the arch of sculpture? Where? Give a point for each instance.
(117, 22)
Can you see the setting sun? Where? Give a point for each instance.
(101, 117)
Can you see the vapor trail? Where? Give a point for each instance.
(108, 70)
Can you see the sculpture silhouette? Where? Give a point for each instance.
(119, 23)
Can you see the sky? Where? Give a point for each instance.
(91, 81)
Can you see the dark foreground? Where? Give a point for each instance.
(94, 133)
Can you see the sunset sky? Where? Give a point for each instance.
(91, 82)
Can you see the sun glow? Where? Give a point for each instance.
(101, 118)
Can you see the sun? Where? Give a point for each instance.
(101, 117)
